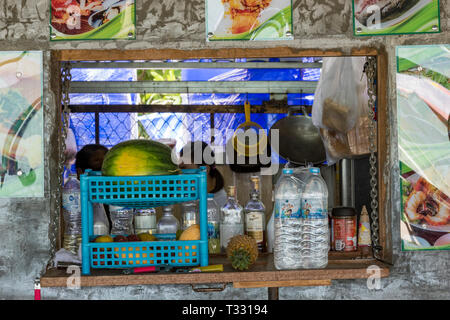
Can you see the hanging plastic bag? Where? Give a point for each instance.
(335, 104)
(355, 142)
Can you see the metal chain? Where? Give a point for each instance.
(66, 78)
(370, 69)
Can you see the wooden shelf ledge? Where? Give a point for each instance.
(261, 274)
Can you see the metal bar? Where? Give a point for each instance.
(97, 127)
(272, 293)
(211, 124)
(193, 86)
(273, 108)
(196, 65)
(347, 183)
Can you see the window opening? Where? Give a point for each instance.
(205, 94)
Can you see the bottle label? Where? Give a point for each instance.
(343, 233)
(145, 222)
(287, 208)
(254, 225)
(364, 234)
(213, 230)
(257, 235)
(313, 209)
(71, 201)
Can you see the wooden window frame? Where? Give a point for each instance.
(275, 278)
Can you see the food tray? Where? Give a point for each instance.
(142, 192)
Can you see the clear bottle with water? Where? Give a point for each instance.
(213, 225)
(231, 219)
(168, 222)
(287, 224)
(72, 214)
(315, 242)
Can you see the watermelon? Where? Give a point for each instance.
(139, 158)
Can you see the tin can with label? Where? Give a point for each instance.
(344, 229)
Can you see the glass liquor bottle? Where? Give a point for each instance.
(231, 220)
(255, 215)
(168, 222)
(190, 214)
(213, 225)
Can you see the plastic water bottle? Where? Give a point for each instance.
(287, 223)
(101, 223)
(72, 214)
(213, 225)
(315, 234)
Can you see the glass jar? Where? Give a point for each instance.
(145, 221)
(343, 229)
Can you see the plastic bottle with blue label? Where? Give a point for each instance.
(287, 222)
(315, 241)
(72, 214)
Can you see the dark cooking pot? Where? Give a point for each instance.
(299, 140)
(246, 164)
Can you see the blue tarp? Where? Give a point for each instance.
(117, 127)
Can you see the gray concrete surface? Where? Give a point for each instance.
(24, 223)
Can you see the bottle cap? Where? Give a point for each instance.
(115, 208)
(255, 182)
(364, 216)
(210, 195)
(314, 170)
(288, 171)
(343, 212)
(231, 190)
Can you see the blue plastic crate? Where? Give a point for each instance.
(144, 253)
(142, 192)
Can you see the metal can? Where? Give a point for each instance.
(344, 229)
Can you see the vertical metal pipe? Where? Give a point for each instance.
(97, 128)
(347, 185)
(272, 293)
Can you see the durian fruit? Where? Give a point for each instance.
(242, 251)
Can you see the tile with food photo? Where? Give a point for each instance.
(249, 20)
(385, 17)
(21, 124)
(425, 223)
(92, 19)
(423, 113)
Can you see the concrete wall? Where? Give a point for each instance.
(24, 224)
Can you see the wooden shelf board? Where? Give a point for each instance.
(262, 271)
(277, 284)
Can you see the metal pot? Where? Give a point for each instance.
(299, 140)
